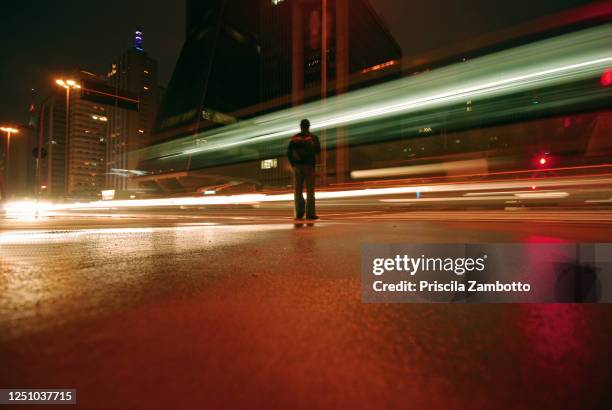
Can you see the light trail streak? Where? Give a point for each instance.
(17, 210)
(448, 166)
(407, 106)
(482, 198)
(577, 56)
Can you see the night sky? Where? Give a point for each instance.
(41, 39)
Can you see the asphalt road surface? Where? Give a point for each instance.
(245, 309)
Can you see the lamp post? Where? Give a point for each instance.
(9, 131)
(68, 85)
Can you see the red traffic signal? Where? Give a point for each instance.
(543, 160)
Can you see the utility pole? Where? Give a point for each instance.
(342, 72)
(39, 149)
(324, 35)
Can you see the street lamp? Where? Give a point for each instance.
(9, 131)
(68, 84)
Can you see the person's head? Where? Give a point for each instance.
(305, 125)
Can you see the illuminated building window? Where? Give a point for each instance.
(269, 163)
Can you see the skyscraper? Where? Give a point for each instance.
(134, 72)
(242, 58)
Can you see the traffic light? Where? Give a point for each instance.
(543, 160)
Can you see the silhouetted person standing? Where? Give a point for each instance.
(302, 153)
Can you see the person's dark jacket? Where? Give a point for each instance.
(303, 149)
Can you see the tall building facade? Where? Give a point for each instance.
(133, 72)
(86, 148)
(242, 58)
(309, 53)
(358, 46)
(52, 130)
(217, 72)
(73, 134)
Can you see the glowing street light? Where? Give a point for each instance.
(9, 131)
(67, 84)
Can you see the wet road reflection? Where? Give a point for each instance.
(207, 307)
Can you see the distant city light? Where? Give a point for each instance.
(269, 163)
(108, 194)
(606, 78)
(138, 38)
(379, 66)
(67, 83)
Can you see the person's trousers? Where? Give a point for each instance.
(304, 175)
